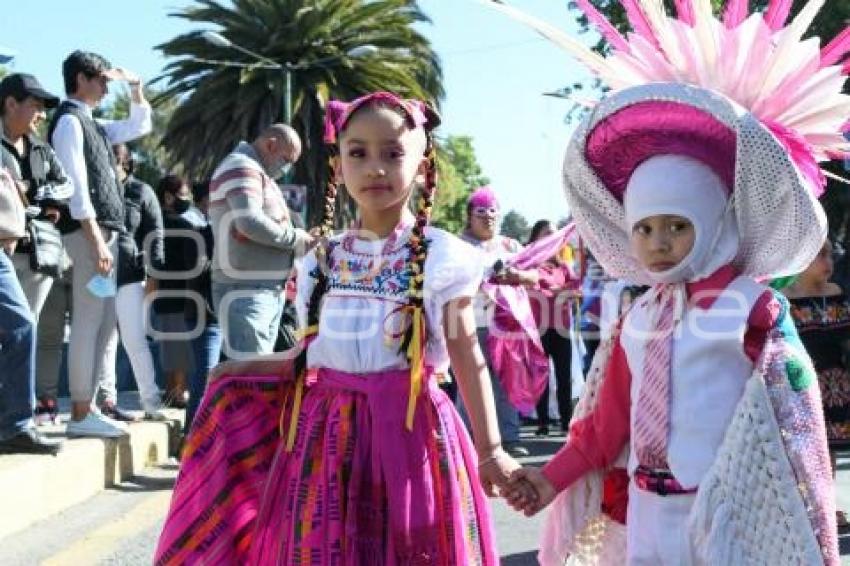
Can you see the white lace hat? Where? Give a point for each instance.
(781, 224)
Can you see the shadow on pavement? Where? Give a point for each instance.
(146, 484)
(522, 559)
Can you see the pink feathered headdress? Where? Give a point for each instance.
(761, 61)
(337, 112)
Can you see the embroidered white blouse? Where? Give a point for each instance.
(360, 324)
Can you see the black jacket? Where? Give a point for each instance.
(142, 221)
(181, 257)
(47, 183)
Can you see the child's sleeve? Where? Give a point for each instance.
(453, 269)
(762, 318)
(304, 282)
(597, 440)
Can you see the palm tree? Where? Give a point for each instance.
(223, 104)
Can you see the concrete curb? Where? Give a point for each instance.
(35, 487)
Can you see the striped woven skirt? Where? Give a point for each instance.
(225, 464)
(356, 489)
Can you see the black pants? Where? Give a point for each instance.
(590, 345)
(558, 348)
(450, 387)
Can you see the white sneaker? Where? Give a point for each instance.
(96, 425)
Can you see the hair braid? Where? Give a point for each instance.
(417, 244)
(322, 249)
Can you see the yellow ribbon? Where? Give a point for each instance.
(296, 408)
(414, 353)
(303, 334)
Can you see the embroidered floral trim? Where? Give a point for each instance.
(383, 274)
(815, 313)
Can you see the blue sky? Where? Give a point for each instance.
(495, 74)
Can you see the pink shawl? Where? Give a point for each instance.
(516, 353)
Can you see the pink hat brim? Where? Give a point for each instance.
(622, 141)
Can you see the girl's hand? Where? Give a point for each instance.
(520, 491)
(495, 470)
(269, 364)
(244, 367)
(517, 495)
(230, 367)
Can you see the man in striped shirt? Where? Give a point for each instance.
(255, 240)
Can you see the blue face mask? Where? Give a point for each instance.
(101, 287)
(279, 168)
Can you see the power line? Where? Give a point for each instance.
(495, 46)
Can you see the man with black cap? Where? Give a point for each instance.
(42, 181)
(84, 146)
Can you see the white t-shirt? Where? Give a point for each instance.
(360, 325)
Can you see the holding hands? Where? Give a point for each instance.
(525, 489)
(494, 471)
(528, 491)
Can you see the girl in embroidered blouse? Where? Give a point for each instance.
(374, 465)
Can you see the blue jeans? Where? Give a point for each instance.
(207, 350)
(249, 315)
(506, 414)
(17, 354)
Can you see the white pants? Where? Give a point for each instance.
(129, 303)
(657, 529)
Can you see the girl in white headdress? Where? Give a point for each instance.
(700, 438)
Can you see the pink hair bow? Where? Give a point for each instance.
(337, 113)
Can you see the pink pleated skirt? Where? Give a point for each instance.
(360, 489)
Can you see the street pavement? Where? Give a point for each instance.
(119, 527)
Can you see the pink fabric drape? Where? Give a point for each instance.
(513, 340)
